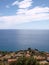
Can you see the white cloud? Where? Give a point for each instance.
(36, 10)
(40, 10)
(23, 4)
(15, 3)
(22, 16)
(21, 11)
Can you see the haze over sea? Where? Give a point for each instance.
(12, 40)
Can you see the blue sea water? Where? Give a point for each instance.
(12, 40)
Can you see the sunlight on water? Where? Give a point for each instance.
(22, 39)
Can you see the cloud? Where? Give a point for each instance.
(23, 4)
(35, 10)
(15, 3)
(21, 11)
(22, 16)
(37, 13)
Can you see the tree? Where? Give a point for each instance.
(21, 61)
(32, 61)
(12, 63)
(25, 61)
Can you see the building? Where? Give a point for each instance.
(43, 62)
(39, 58)
(12, 60)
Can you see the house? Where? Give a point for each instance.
(19, 54)
(39, 58)
(47, 59)
(47, 54)
(0, 55)
(27, 55)
(7, 56)
(43, 62)
(12, 54)
(28, 52)
(12, 60)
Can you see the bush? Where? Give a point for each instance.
(12, 63)
(27, 61)
(21, 61)
(32, 61)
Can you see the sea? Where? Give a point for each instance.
(20, 39)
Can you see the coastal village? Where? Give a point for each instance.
(8, 57)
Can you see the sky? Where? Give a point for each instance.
(24, 14)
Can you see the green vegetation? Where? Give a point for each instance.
(24, 57)
(25, 61)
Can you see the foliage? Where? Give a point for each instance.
(12, 63)
(21, 61)
(32, 61)
(27, 61)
